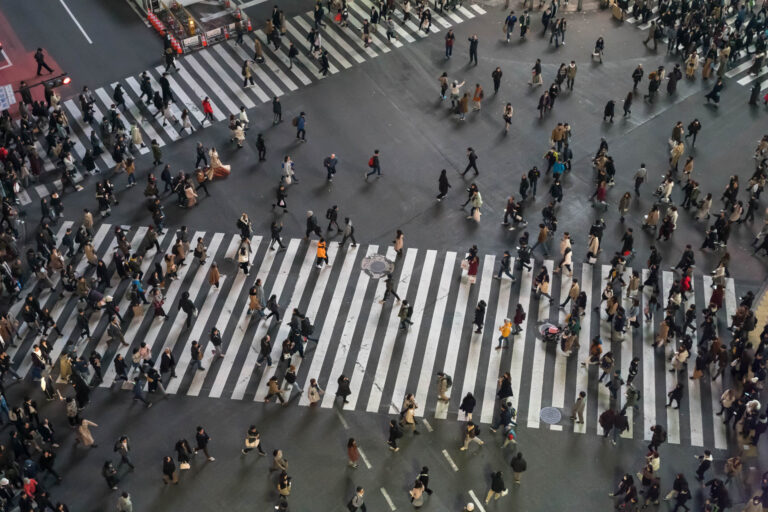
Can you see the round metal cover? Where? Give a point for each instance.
(377, 266)
(551, 415)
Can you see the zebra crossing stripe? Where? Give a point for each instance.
(345, 343)
(218, 115)
(720, 430)
(232, 84)
(358, 27)
(627, 351)
(133, 108)
(363, 354)
(539, 358)
(476, 340)
(694, 386)
(561, 359)
(254, 89)
(260, 74)
(282, 55)
(325, 43)
(192, 61)
(202, 318)
(227, 312)
(582, 374)
(262, 327)
(673, 415)
(412, 334)
(173, 106)
(426, 377)
(321, 347)
(273, 65)
(179, 94)
(240, 325)
(649, 364)
(391, 333)
(495, 357)
(454, 341)
(518, 347)
(303, 41)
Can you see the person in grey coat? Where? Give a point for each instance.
(357, 501)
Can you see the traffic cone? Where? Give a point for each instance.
(249, 26)
(226, 33)
(226, 4)
(203, 40)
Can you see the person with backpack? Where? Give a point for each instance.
(657, 438)
(374, 164)
(632, 395)
(444, 382)
(330, 167)
(471, 433)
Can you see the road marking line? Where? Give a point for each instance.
(342, 420)
(450, 460)
(386, 497)
(76, 22)
(477, 501)
(5, 57)
(427, 426)
(362, 455)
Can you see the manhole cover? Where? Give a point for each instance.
(377, 266)
(551, 415)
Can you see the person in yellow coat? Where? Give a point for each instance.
(506, 330)
(691, 64)
(322, 255)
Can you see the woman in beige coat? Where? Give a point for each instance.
(90, 254)
(83, 433)
(88, 220)
(213, 275)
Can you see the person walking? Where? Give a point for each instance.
(578, 407)
(207, 110)
(353, 455)
(358, 501)
(253, 441)
(519, 465)
(471, 433)
(498, 489)
(471, 162)
(473, 42)
(40, 60)
(202, 439)
(374, 164)
(169, 471)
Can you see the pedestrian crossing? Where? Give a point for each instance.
(216, 73)
(359, 337)
(740, 70)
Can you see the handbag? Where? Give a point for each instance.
(476, 215)
(472, 279)
(464, 264)
(288, 180)
(183, 465)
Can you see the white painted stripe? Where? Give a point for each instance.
(265, 79)
(143, 122)
(324, 43)
(451, 463)
(494, 360)
(440, 20)
(202, 319)
(56, 313)
(392, 333)
(378, 40)
(212, 84)
(427, 374)
(739, 69)
(277, 289)
(454, 342)
(342, 420)
(253, 89)
(518, 347)
(76, 22)
(716, 387)
(253, 354)
(224, 316)
(23, 197)
(311, 66)
(233, 85)
(42, 191)
(244, 320)
(174, 107)
(358, 372)
(156, 324)
(282, 53)
(357, 26)
(344, 344)
(539, 361)
(626, 357)
(427, 425)
(199, 92)
(194, 292)
(272, 66)
(362, 456)
(466, 12)
(649, 366)
(559, 377)
(582, 374)
(603, 395)
(398, 29)
(694, 386)
(673, 415)
(479, 9)
(453, 16)
(314, 305)
(179, 94)
(412, 336)
(476, 340)
(478, 505)
(108, 101)
(388, 499)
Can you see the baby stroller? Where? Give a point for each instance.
(550, 333)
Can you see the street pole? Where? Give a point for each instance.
(578, 6)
